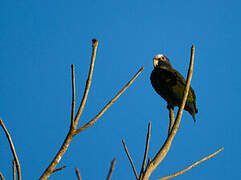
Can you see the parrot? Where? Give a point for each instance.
(170, 85)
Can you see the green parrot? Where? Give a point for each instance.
(170, 85)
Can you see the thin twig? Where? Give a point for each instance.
(59, 169)
(73, 96)
(88, 82)
(14, 170)
(111, 169)
(12, 148)
(91, 122)
(129, 157)
(146, 150)
(165, 148)
(149, 161)
(77, 173)
(171, 117)
(1, 176)
(190, 167)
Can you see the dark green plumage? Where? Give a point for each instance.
(170, 85)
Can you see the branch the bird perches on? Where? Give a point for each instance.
(147, 170)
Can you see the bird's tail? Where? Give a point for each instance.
(193, 116)
(191, 108)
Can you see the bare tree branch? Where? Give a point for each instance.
(190, 167)
(59, 169)
(111, 169)
(73, 97)
(14, 170)
(129, 157)
(1, 176)
(171, 117)
(12, 148)
(73, 128)
(90, 123)
(165, 148)
(146, 150)
(77, 173)
(88, 82)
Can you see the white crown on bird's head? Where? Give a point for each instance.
(161, 61)
(158, 56)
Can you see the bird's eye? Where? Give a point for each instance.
(163, 58)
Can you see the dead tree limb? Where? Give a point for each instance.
(73, 131)
(12, 148)
(165, 148)
(190, 167)
(91, 122)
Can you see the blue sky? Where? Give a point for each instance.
(39, 40)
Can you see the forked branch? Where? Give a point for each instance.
(88, 82)
(91, 122)
(73, 131)
(74, 121)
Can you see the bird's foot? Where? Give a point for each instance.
(170, 107)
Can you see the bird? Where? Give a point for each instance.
(170, 85)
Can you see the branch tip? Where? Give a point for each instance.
(111, 169)
(94, 42)
(77, 173)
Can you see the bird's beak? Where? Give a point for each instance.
(155, 62)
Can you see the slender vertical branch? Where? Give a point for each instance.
(190, 167)
(88, 82)
(91, 122)
(14, 170)
(165, 148)
(146, 150)
(73, 97)
(129, 157)
(12, 148)
(77, 173)
(171, 118)
(111, 169)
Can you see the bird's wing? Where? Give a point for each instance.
(180, 83)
